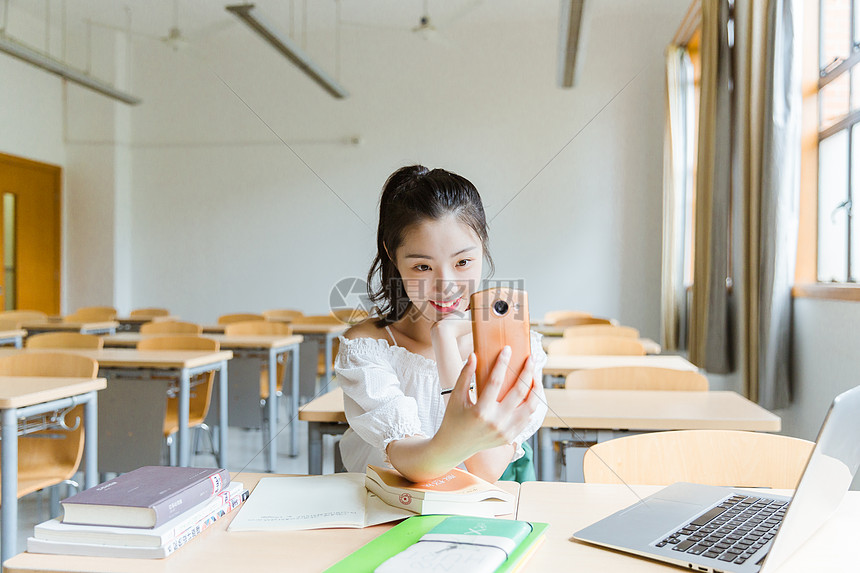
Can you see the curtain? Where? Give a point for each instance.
(677, 180)
(711, 341)
(747, 193)
(768, 182)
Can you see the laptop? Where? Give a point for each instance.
(721, 529)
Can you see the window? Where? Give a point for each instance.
(838, 241)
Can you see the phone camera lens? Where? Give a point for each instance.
(500, 307)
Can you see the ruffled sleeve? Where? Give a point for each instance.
(374, 403)
(536, 419)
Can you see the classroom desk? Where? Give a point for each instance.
(23, 397)
(266, 348)
(36, 327)
(325, 416)
(12, 337)
(216, 550)
(589, 416)
(564, 365)
(585, 415)
(323, 334)
(133, 323)
(567, 507)
(180, 365)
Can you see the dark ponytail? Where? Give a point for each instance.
(411, 195)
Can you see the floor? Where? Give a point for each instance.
(246, 455)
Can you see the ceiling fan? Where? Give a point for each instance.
(428, 27)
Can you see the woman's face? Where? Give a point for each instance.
(440, 263)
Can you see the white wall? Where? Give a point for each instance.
(825, 361)
(227, 218)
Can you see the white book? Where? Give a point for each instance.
(313, 502)
(212, 508)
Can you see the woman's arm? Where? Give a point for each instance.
(469, 428)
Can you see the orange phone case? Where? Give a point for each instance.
(500, 317)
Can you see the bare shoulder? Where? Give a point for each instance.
(367, 328)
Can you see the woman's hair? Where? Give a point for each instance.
(410, 196)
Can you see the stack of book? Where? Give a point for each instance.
(147, 513)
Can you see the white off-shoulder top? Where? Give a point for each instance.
(390, 393)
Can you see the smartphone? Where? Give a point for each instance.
(500, 317)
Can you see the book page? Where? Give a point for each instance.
(310, 502)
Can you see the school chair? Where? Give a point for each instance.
(580, 321)
(600, 330)
(636, 378)
(259, 328)
(323, 319)
(65, 340)
(713, 457)
(201, 391)
(554, 315)
(149, 312)
(239, 317)
(92, 314)
(350, 315)
(596, 345)
(283, 315)
(19, 316)
(171, 327)
(50, 457)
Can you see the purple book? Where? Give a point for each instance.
(145, 497)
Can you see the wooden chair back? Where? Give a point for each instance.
(9, 324)
(20, 316)
(149, 312)
(257, 327)
(201, 392)
(171, 327)
(596, 345)
(350, 315)
(65, 340)
(239, 317)
(319, 319)
(181, 342)
(49, 457)
(713, 457)
(601, 330)
(581, 321)
(283, 314)
(636, 378)
(48, 364)
(92, 314)
(262, 327)
(553, 315)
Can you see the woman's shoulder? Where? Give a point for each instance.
(367, 328)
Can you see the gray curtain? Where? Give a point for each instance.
(748, 193)
(710, 326)
(780, 190)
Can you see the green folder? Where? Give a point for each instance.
(401, 536)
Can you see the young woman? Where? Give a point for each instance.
(406, 388)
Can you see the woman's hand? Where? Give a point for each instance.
(488, 422)
(471, 427)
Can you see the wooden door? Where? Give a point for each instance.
(30, 209)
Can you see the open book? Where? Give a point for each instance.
(456, 493)
(313, 502)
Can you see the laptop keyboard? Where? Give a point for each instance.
(731, 531)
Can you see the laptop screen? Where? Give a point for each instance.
(828, 475)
